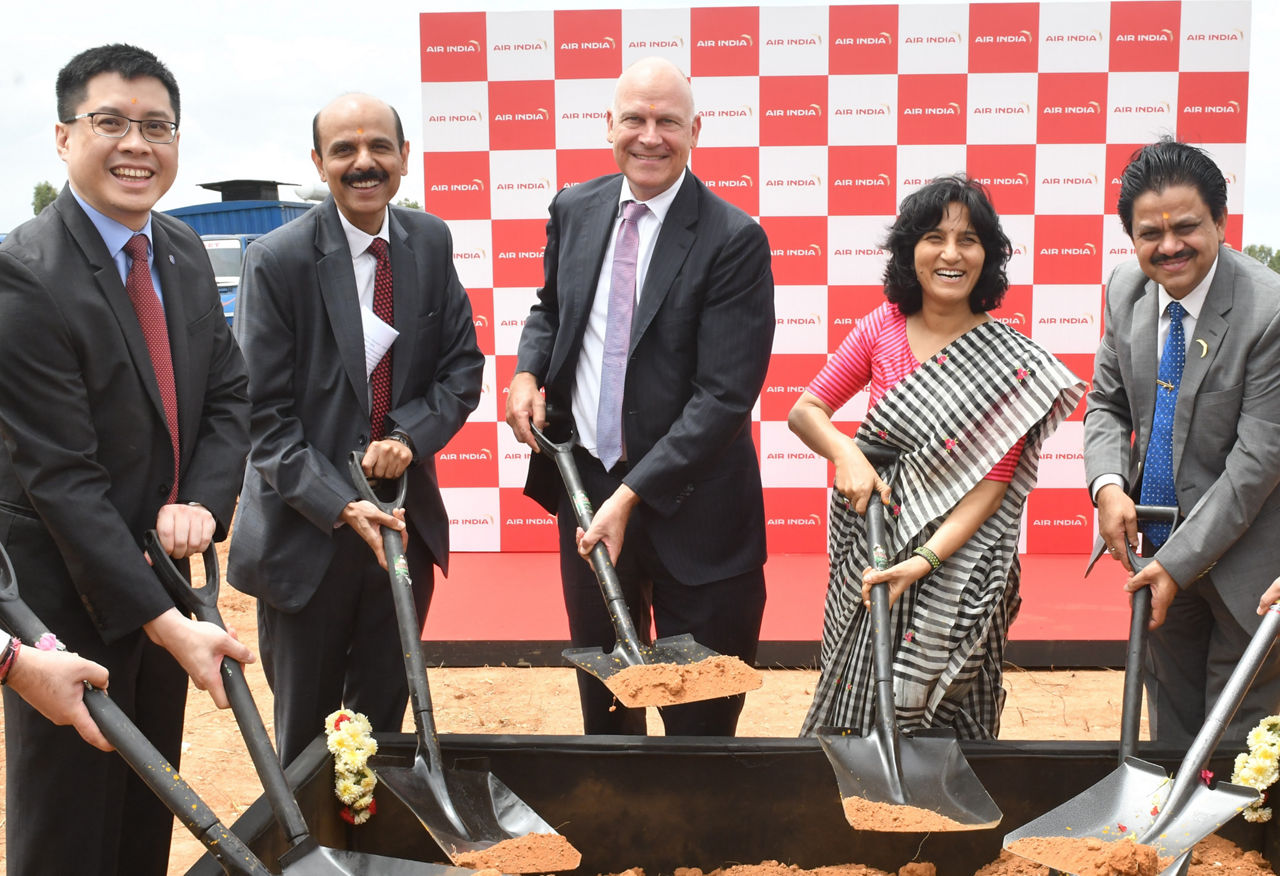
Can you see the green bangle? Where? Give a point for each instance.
(929, 555)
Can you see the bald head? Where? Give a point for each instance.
(355, 97)
(361, 154)
(652, 126)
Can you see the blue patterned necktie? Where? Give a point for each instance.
(617, 339)
(1157, 471)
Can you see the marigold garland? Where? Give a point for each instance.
(349, 737)
(1259, 767)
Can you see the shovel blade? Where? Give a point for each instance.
(680, 650)
(463, 810)
(931, 773)
(323, 861)
(1127, 803)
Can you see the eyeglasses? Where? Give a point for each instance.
(116, 126)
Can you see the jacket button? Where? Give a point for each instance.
(362, 441)
(164, 489)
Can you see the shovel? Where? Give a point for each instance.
(1138, 797)
(156, 772)
(921, 768)
(630, 650)
(305, 856)
(465, 811)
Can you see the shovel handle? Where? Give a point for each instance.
(410, 633)
(144, 758)
(624, 628)
(1140, 616)
(203, 603)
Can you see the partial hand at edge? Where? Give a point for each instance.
(524, 404)
(199, 647)
(53, 683)
(367, 520)
(1269, 597)
(1117, 523)
(609, 524)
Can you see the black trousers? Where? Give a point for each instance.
(723, 615)
(342, 648)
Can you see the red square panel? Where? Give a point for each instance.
(793, 110)
(482, 318)
(1081, 365)
(456, 184)
(1145, 35)
(522, 115)
(796, 520)
(1212, 107)
(733, 173)
(588, 43)
(1015, 310)
(525, 525)
(1004, 37)
(453, 46)
(1059, 521)
(1068, 249)
(789, 375)
(799, 245)
(845, 306)
(864, 39)
(517, 251)
(470, 458)
(575, 166)
(1009, 175)
(725, 41)
(932, 108)
(861, 180)
(1073, 108)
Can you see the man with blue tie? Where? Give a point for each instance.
(1185, 411)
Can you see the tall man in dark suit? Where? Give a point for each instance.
(678, 293)
(123, 407)
(1185, 410)
(320, 300)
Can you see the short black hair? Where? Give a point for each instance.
(130, 62)
(315, 130)
(918, 214)
(1165, 163)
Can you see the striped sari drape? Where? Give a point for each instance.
(951, 420)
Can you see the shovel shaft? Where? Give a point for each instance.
(1135, 654)
(1215, 725)
(411, 644)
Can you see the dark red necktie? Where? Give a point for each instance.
(384, 309)
(151, 317)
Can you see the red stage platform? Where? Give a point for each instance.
(507, 608)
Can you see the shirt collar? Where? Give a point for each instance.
(1193, 301)
(357, 240)
(113, 234)
(659, 204)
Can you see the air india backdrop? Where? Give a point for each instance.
(818, 120)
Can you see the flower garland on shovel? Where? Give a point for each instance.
(349, 737)
(1259, 767)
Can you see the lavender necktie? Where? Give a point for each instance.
(617, 339)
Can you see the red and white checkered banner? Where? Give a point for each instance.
(819, 120)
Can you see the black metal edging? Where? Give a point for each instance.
(1047, 654)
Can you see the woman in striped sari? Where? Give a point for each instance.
(967, 402)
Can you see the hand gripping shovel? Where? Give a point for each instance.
(305, 856)
(465, 811)
(921, 768)
(630, 650)
(156, 772)
(1139, 799)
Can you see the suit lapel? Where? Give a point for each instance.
(1211, 328)
(675, 238)
(107, 277)
(585, 233)
(1145, 367)
(338, 291)
(176, 319)
(405, 272)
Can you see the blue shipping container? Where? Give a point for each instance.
(239, 217)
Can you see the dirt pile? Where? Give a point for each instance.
(531, 853)
(669, 684)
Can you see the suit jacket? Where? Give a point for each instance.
(701, 338)
(298, 322)
(88, 460)
(1226, 433)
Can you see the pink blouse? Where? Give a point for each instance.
(877, 350)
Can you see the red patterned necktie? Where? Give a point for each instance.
(151, 317)
(384, 309)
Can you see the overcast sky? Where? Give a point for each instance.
(253, 73)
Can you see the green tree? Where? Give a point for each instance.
(43, 196)
(1264, 254)
(407, 202)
